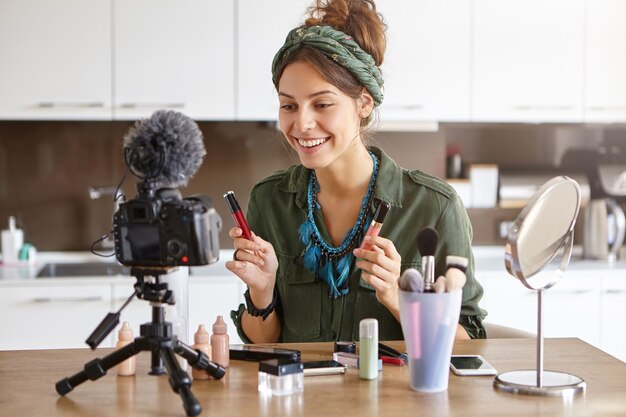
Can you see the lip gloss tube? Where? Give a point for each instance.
(377, 223)
(238, 217)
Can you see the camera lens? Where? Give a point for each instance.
(175, 248)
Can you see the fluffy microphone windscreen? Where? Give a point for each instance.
(167, 148)
(427, 240)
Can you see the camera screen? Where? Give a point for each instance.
(143, 243)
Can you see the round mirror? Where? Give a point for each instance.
(542, 229)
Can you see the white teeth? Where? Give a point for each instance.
(311, 143)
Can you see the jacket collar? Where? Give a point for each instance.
(388, 185)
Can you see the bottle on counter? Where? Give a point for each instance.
(12, 241)
(201, 342)
(124, 337)
(220, 344)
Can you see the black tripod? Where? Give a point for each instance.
(156, 336)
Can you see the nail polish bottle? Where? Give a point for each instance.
(124, 337)
(201, 342)
(220, 344)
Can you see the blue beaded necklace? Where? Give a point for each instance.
(332, 264)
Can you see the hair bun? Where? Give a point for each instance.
(357, 18)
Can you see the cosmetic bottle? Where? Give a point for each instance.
(220, 344)
(280, 377)
(201, 342)
(124, 337)
(368, 349)
(12, 241)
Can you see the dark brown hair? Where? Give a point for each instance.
(357, 18)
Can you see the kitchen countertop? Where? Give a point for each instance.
(488, 259)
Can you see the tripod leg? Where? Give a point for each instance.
(199, 360)
(97, 368)
(181, 383)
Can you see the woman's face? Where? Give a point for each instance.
(318, 120)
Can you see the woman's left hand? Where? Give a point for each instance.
(381, 270)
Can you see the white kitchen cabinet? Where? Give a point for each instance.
(56, 59)
(613, 312)
(427, 63)
(214, 296)
(262, 27)
(605, 63)
(528, 59)
(173, 54)
(571, 308)
(51, 315)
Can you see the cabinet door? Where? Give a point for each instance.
(52, 316)
(528, 60)
(174, 54)
(572, 307)
(262, 27)
(507, 301)
(56, 59)
(427, 63)
(605, 63)
(214, 296)
(612, 327)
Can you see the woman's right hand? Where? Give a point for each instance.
(255, 264)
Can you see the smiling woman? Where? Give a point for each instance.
(309, 275)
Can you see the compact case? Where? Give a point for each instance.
(281, 377)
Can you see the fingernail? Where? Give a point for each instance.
(356, 252)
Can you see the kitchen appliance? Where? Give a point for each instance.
(604, 220)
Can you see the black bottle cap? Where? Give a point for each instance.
(280, 367)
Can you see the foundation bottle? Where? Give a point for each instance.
(124, 337)
(220, 345)
(201, 342)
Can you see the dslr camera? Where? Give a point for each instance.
(158, 228)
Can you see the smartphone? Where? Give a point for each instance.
(468, 365)
(323, 368)
(259, 353)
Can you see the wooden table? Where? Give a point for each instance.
(27, 381)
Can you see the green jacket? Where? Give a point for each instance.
(277, 208)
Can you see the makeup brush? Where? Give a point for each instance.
(427, 240)
(411, 280)
(455, 273)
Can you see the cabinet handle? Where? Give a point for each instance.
(69, 105)
(413, 106)
(529, 107)
(572, 292)
(152, 105)
(68, 299)
(615, 291)
(605, 108)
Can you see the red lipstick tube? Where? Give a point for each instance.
(238, 217)
(377, 223)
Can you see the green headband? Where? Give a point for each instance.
(339, 47)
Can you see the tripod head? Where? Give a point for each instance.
(148, 287)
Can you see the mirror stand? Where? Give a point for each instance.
(539, 381)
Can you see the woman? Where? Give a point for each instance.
(307, 278)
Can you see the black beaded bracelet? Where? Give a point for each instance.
(255, 312)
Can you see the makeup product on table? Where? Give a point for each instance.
(124, 337)
(220, 342)
(368, 349)
(238, 217)
(388, 351)
(427, 240)
(377, 223)
(201, 342)
(280, 377)
(411, 280)
(351, 360)
(348, 347)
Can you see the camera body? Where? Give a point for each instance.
(159, 229)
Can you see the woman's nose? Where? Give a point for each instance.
(304, 120)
